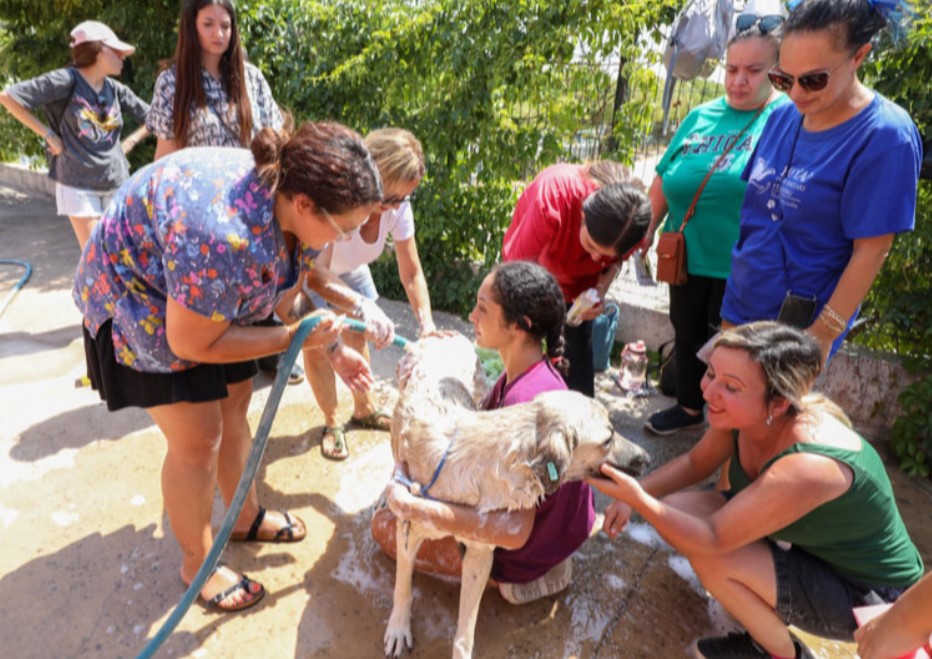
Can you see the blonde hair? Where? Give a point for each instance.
(790, 361)
(397, 154)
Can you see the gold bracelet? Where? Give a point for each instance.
(831, 323)
(835, 316)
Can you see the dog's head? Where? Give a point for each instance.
(575, 436)
(444, 364)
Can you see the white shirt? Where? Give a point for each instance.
(350, 254)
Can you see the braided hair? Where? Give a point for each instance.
(531, 299)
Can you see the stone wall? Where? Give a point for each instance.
(864, 383)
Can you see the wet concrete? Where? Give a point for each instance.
(89, 567)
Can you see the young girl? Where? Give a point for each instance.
(210, 96)
(519, 308)
(85, 111)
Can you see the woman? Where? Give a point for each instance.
(579, 222)
(519, 308)
(717, 136)
(400, 160)
(831, 182)
(84, 108)
(195, 248)
(810, 527)
(210, 95)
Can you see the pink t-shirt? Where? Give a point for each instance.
(564, 519)
(545, 229)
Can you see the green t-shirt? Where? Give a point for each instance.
(860, 534)
(704, 134)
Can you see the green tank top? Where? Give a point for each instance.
(860, 534)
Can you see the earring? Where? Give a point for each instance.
(769, 421)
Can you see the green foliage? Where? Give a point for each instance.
(495, 91)
(898, 307)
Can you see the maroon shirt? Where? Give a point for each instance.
(564, 519)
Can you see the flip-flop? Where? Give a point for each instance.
(245, 584)
(378, 420)
(340, 450)
(294, 530)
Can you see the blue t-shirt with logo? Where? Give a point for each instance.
(810, 195)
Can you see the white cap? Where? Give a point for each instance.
(90, 31)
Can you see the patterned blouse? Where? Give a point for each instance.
(196, 226)
(217, 123)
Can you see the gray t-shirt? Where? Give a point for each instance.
(90, 128)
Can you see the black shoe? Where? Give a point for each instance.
(739, 646)
(672, 419)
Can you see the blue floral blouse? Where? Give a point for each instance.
(196, 226)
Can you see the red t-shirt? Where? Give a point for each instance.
(545, 229)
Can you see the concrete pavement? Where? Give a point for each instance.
(89, 568)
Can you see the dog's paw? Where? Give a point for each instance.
(396, 640)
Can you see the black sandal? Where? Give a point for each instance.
(294, 530)
(244, 584)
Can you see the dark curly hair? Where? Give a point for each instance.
(531, 299)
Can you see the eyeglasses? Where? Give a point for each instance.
(766, 24)
(341, 234)
(811, 82)
(394, 199)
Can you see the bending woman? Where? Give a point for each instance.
(579, 222)
(195, 248)
(518, 307)
(810, 527)
(400, 160)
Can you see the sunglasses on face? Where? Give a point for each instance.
(766, 24)
(811, 82)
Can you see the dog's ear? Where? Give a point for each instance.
(556, 442)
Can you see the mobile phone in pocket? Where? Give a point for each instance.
(798, 311)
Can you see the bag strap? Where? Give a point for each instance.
(718, 161)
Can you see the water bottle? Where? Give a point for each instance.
(633, 366)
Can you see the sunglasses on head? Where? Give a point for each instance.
(766, 24)
(811, 82)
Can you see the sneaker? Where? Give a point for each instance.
(673, 419)
(740, 646)
(733, 646)
(552, 582)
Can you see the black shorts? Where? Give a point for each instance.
(121, 386)
(815, 598)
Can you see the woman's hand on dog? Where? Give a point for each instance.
(622, 487)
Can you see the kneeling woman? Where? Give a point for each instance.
(810, 527)
(518, 307)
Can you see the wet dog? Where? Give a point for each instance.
(499, 459)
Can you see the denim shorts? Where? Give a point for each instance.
(360, 280)
(75, 202)
(814, 597)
